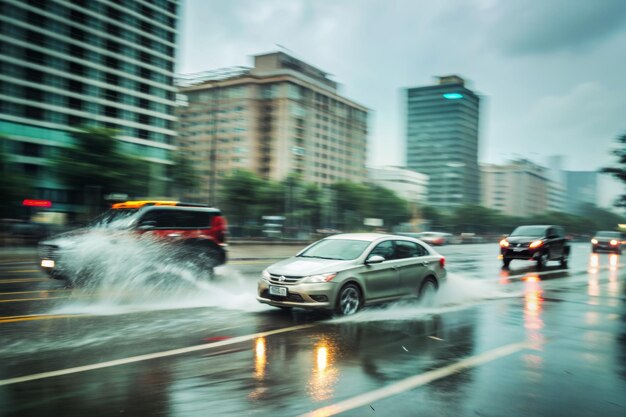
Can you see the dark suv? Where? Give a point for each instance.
(191, 232)
(535, 243)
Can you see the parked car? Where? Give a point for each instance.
(345, 272)
(196, 232)
(540, 243)
(608, 241)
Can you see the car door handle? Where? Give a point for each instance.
(174, 235)
(425, 263)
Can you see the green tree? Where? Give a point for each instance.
(239, 194)
(184, 176)
(96, 161)
(386, 205)
(619, 171)
(14, 187)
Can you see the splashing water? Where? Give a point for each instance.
(118, 272)
(458, 292)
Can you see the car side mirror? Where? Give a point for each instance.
(374, 259)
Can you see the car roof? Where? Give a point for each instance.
(181, 208)
(370, 237)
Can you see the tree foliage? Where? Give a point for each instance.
(96, 160)
(184, 176)
(14, 187)
(619, 171)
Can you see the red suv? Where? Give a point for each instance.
(196, 232)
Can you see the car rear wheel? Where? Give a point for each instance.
(564, 260)
(349, 301)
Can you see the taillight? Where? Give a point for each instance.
(535, 244)
(218, 224)
(504, 243)
(442, 262)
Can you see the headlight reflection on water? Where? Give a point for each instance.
(324, 375)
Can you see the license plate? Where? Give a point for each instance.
(518, 249)
(280, 291)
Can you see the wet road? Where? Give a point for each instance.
(498, 343)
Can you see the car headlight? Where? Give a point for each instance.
(319, 278)
(535, 244)
(594, 241)
(265, 274)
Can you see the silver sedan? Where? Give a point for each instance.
(348, 271)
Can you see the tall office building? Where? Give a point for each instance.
(64, 64)
(280, 117)
(442, 140)
(519, 188)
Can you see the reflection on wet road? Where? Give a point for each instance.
(498, 342)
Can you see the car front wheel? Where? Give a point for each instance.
(349, 301)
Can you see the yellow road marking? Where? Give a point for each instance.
(24, 271)
(31, 292)
(13, 319)
(15, 300)
(16, 280)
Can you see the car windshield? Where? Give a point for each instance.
(529, 231)
(114, 218)
(340, 249)
(608, 234)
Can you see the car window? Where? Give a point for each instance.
(192, 219)
(384, 249)
(405, 249)
(159, 219)
(532, 231)
(341, 249)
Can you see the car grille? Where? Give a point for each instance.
(284, 280)
(292, 297)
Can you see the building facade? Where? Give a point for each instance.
(67, 64)
(582, 189)
(281, 117)
(409, 185)
(442, 140)
(520, 188)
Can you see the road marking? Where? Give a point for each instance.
(17, 300)
(23, 271)
(149, 356)
(18, 280)
(416, 381)
(31, 292)
(14, 319)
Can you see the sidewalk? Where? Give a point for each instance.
(236, 251)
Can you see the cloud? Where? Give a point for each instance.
(541, 27)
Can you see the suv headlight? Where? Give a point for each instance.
(319, 278)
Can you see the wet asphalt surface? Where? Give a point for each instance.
(521, 342)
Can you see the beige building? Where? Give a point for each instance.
(278, 118)
(409, 185)
(519, 188)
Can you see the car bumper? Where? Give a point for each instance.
(525, 253)
(606, 247)
(310, 296)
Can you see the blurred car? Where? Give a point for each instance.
(345, 272)
(193, 231)
(606, 240)
(540, 243)
(435, 238)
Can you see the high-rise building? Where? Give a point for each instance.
(65, 64)
(409, 185)
(442, 140)
(520, 188)
(582, 189)
(281, 117)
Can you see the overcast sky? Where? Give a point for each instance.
(551, 74)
